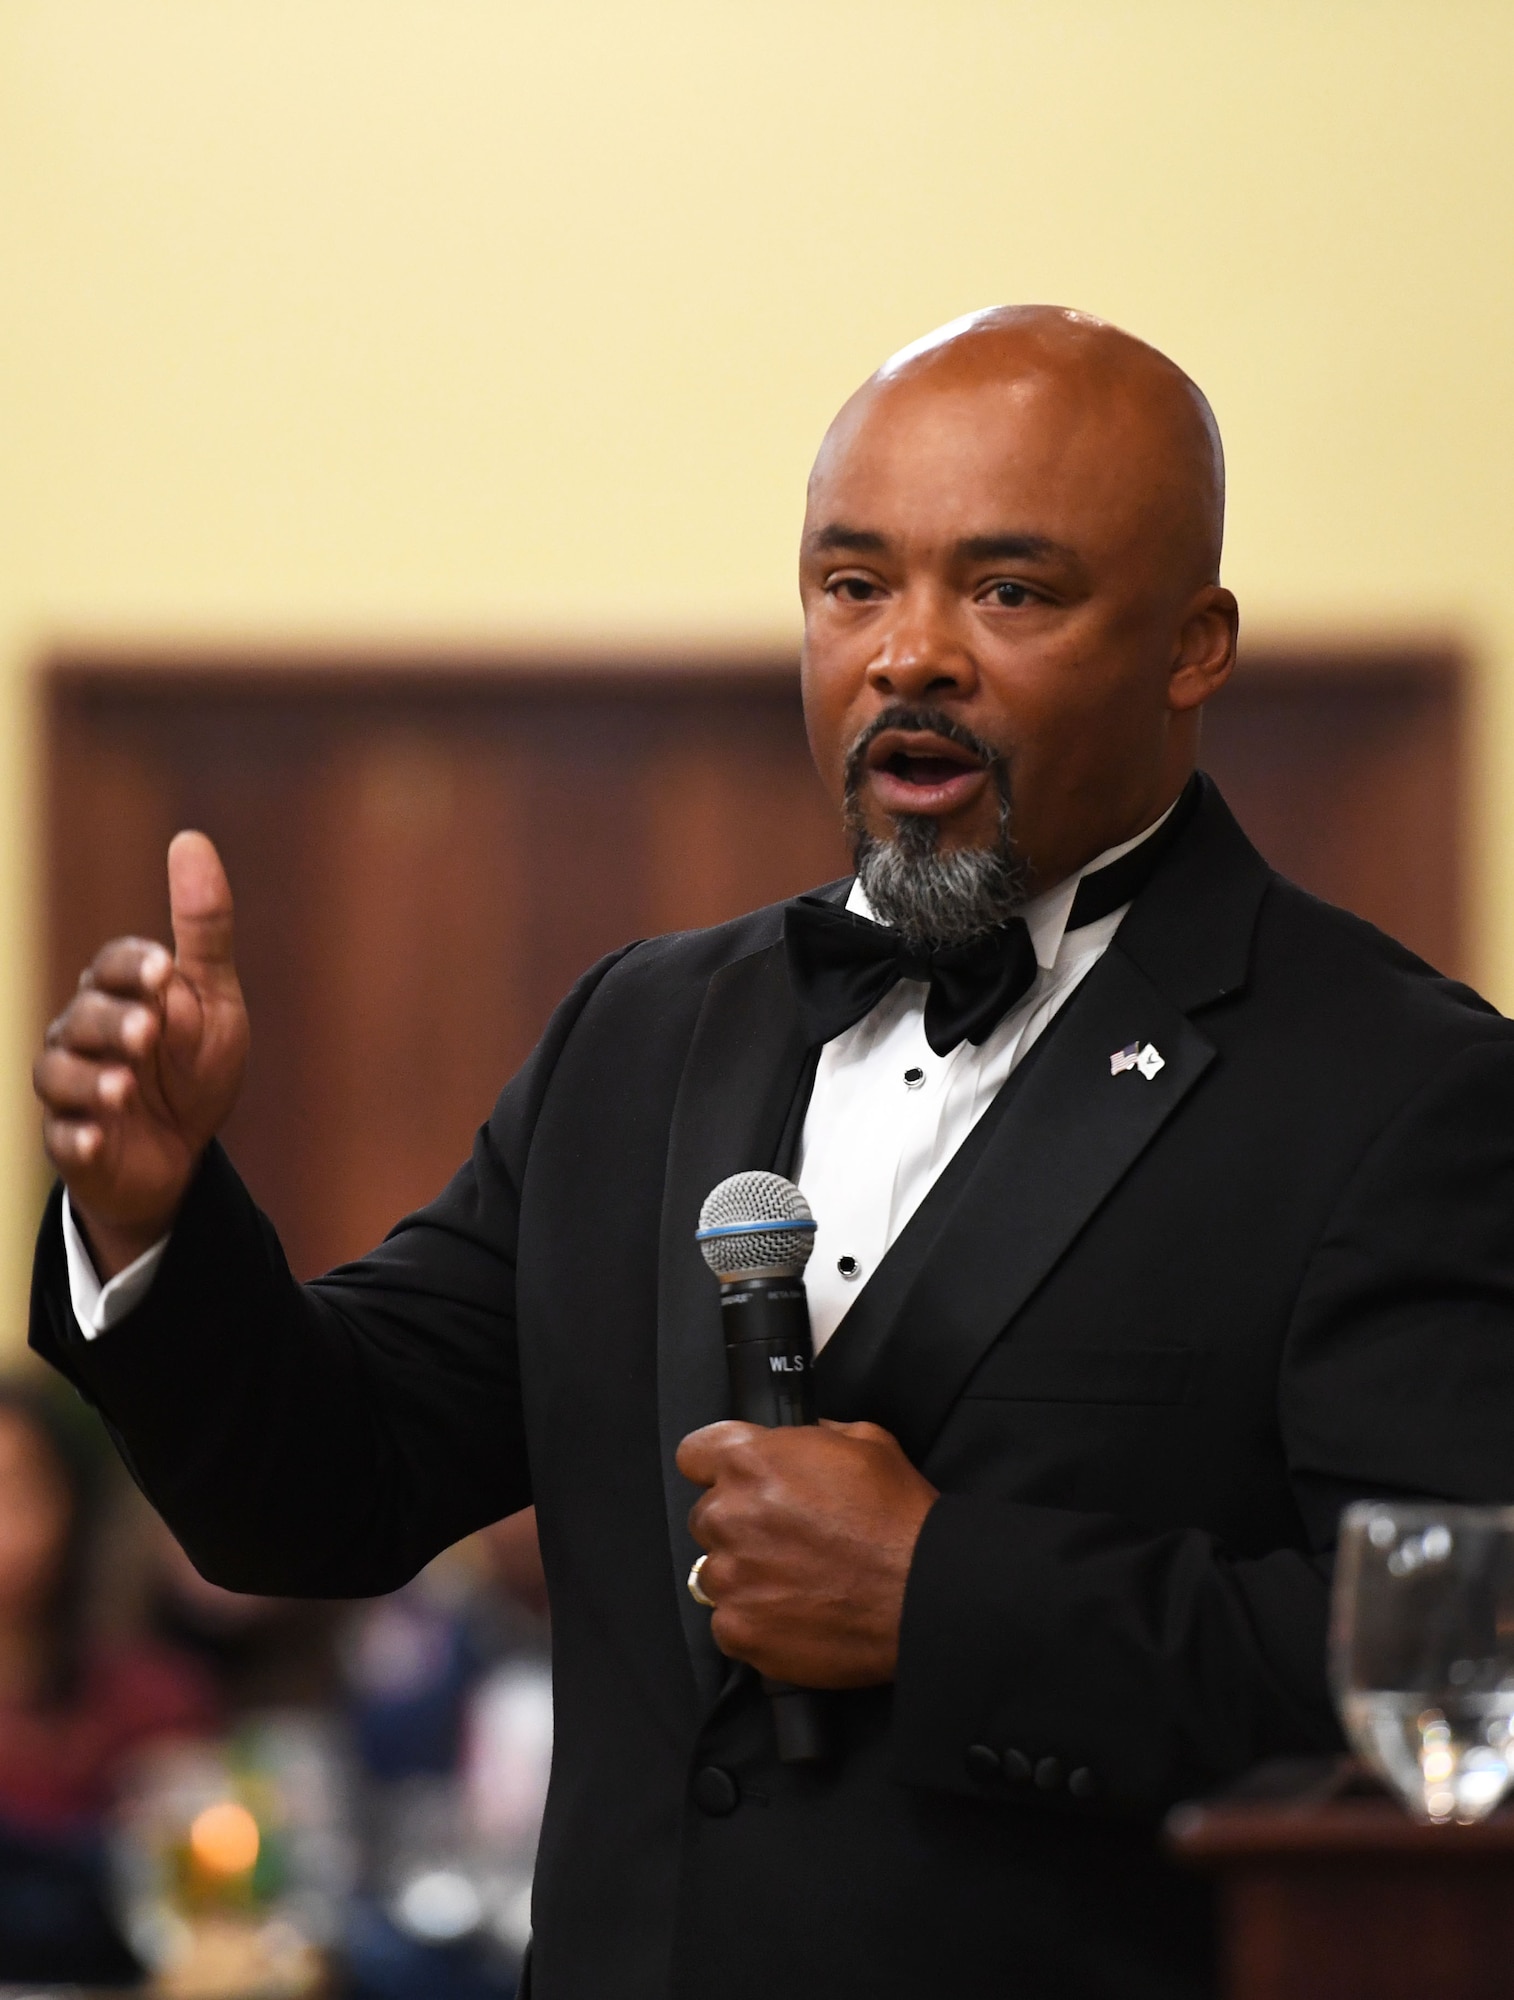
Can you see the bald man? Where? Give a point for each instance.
(1162, 1211)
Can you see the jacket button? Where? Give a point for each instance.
(1048, 1774)
(715, 1791)
(1083, 1784)
(1018, 1768)
(983, 1765)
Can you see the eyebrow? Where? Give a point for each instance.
(861, 541)
(1014, 548)
(838, 536)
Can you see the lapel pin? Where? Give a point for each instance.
(1147, 1060)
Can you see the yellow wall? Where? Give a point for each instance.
(484, 319)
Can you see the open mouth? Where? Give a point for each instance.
(917, 771)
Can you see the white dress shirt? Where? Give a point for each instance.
(96, 1306)
(886, 1115)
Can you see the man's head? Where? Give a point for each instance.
(1010, 575)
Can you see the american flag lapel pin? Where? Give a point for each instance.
(1147, 1060)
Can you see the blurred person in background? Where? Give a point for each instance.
(73, 1709)
(448, 1695)
(410, 1660)
(513, 1551)
(258, 1652)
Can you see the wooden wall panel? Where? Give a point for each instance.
(423, 863)
(417, 916)
(425, 859)
(1346, 770)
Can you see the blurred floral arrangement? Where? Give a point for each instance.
(233, 1861)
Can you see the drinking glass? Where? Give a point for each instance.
(1422, 1651)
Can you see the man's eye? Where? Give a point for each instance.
(1009, 596)
(855, 589)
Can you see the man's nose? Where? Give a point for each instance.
(922, 654)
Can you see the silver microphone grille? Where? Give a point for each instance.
(755, 1223)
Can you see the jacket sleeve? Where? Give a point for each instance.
(326, 1439)
(1158, 1666)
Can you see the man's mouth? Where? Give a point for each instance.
(915, 771)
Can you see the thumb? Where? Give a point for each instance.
(199, 901)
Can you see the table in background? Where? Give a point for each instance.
(1330, 1891)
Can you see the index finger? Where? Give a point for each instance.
(132, 968)
(705, 1454)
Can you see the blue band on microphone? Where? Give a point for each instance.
(752, 1229)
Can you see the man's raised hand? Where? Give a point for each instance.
(143, 1065)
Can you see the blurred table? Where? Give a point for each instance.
(1329, 1891)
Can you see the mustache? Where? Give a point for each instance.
(912, 716)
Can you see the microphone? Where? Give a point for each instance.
(756, 1233)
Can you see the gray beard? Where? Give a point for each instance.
(932, 899)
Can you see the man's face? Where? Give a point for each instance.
(1001, 552)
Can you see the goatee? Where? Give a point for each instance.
(934, 899)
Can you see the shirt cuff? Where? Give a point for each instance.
(99, 1307)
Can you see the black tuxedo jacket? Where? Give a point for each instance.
(1147, 1335)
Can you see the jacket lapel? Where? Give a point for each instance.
(1068, 1131)
(1056, 1143)
(745, 1064)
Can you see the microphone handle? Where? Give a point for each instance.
(770, 1355)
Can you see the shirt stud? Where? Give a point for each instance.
(913, 1078)
(848, 1267)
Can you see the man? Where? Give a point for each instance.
(1162, 1211)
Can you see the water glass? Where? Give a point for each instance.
(1422, 1651)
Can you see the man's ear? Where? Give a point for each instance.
(1205, 656)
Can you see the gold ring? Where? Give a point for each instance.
(696, 1588)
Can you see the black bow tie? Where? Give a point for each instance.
(841, 965)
